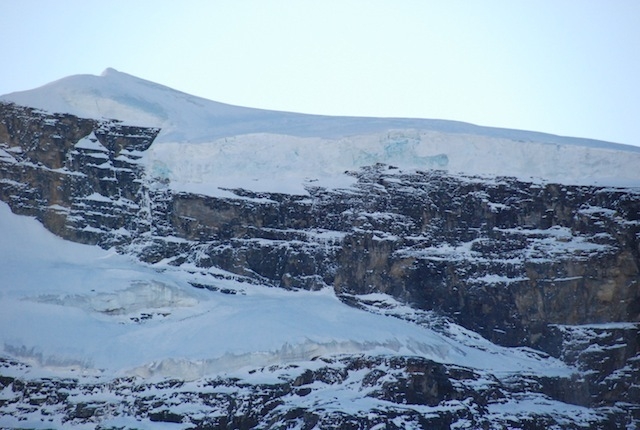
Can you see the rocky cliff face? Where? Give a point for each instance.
(79, 177)
(523, 264)
(502, 257)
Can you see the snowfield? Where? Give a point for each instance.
(75, 309)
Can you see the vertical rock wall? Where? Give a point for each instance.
(80, 177)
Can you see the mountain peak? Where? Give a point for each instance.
(109, 71)
(270, 143)
(183, 117)
(110, 74)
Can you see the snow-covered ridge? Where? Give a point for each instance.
(188, 118)
(206, 145)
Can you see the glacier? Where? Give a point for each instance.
(206, 146)
(121, 335)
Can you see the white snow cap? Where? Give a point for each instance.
(206, 145)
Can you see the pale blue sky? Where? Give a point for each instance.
(567, 67)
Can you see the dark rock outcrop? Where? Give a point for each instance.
(503, 258)
(523, 264)
(344, 392)
(80, 177)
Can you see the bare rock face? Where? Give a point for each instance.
(612, 349)
(79, 177)
(501, 257)
(547, 266)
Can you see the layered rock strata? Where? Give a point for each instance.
(549, 266)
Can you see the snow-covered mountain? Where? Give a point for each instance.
(187, 118)
(205, 145)
(212, 266)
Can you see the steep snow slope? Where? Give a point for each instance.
(78, 309)
(205, 145)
